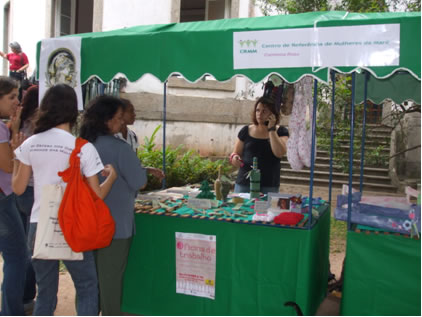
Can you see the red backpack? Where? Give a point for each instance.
(84, 218)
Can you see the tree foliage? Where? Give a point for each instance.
(269, 7)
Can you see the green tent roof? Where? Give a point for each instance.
(399, 87)
(196, 48)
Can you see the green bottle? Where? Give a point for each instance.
(255, 180)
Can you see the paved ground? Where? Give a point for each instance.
(331, 306)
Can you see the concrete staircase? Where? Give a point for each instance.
(375, 176)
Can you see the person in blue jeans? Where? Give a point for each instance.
(24, 204)
(25, 201)
(13, 246)
(44, 154)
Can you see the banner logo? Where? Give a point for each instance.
(61, 68)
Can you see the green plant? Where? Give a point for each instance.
(375, 154)
(182, 166)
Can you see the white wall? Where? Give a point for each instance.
(143, 12)
(27, 26)
(135, 12)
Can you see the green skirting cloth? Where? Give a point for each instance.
(382, 275)
(258, 268)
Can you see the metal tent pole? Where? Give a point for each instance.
(330, 182)
(311, 187)
(163, 184)
(362, 155)
(352, 136)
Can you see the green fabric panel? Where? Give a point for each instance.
(197, 48)
(258, 268)
(382, 275)
(399, 87)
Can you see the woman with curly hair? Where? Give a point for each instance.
(102, 119)
(45, 154)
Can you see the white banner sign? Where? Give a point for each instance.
(60, 63)
(195, 264)
(362, 45)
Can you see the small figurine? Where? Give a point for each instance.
(205, 191)
(222, 186)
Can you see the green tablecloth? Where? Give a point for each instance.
(258, 268)
(382, 275)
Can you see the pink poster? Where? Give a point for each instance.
(195, 264)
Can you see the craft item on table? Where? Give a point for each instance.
(406, 221)
(316, 202)
(237, 207)
(222, 185)
(410, 192)
(205, 191)
(185, 190)
(199, 203)
(237, 200)
(261, 207)
(288, 218)
(345, 189)
(268, 217)
(255, 179)
(278, 202)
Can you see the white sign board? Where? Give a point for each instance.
(195, 264)
(360, 45)
(60, 63)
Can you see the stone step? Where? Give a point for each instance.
(376, 179)
(337, 184)
(337, 168)
(385, 150)
(326, 160)
(325, 154)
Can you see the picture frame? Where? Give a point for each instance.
(280, 202)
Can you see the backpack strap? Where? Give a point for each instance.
(74, 161)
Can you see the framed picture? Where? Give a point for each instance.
(279, 202)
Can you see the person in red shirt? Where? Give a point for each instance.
(18, 63)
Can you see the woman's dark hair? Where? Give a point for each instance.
(7, 84)
(98, 113)
(268, 104)
(126, 103)
(59, 105)
(29, 104)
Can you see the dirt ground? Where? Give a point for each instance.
(66, 295)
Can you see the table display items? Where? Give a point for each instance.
(222, 186)
(234, 209)
(392, 214)
(255, 179)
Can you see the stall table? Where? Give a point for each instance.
(258, 267)
(382, 275)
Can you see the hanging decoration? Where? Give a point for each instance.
(300, 137)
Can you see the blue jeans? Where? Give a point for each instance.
(238, 188)
(24, 204)
(84, 276)
(15, 255)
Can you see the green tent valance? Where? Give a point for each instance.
(399, 87)
(194, 49)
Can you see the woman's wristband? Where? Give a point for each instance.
(232, 156)
(271, 129)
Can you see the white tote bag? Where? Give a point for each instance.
(49, 240)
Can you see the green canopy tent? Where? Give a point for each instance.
(196, 49)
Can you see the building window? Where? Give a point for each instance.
(65, 17)
(202, 10)
(73, 17)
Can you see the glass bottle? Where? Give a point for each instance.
(255, 179)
